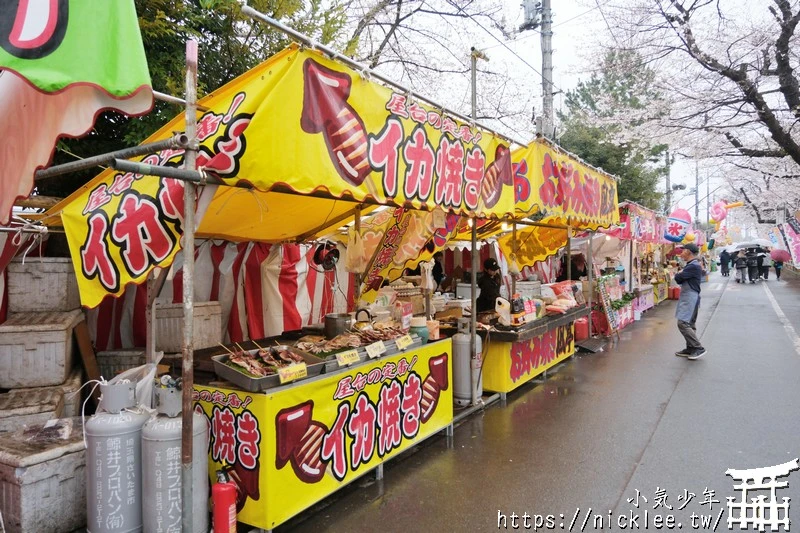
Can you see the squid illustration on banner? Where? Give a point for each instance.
(290, 447)
(323, 127)
(300, 123)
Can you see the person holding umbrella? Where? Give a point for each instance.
(752, 264)
(725, 262)
(778, 266)
(779, 257)
(740, 262)
(766, 263)
(689, 302)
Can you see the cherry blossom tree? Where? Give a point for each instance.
(733, 96)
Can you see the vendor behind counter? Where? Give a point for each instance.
(579, 268)
(489, 283)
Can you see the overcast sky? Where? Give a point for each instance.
(579, 28)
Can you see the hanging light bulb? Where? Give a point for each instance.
(469, 222)
(608, 237)
(505, 226)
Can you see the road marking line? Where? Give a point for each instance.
(790, 332)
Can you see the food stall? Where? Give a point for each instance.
(557, 194)
(642, 229)
(291, 445)
(285, 424)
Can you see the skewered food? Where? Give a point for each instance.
(262, 361)
(349, 339)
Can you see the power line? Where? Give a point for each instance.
(607, 24)
(566, 94)
(537, 32)
(501, 43)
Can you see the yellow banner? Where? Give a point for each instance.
(289, 448)
(298, 122)
(534, 243)
(399, 238)
(551, 183)
(508, 365)
(322, 127)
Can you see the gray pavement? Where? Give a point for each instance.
(634, 417)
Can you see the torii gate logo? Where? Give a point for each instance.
(760, 512)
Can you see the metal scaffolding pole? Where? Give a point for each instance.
(514, 249)
(359, 275)
(187, 352)
(473, 342)
(176, 142)
(590, 279)
(308, 41)
(569, 251)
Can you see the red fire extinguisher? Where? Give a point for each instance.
(223, 495)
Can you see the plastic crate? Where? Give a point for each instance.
(43, 478)
(36, 349)
(113, 362)
(169, 326)
(42, 284)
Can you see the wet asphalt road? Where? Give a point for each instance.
(634, 417)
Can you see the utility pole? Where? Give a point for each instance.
(475, 55)
(548, 122)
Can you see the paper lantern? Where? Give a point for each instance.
(677, 224)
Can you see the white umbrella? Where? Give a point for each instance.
(755, 243)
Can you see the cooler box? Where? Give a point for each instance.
(36, 349)
(464, 290)
(42, 284)
(43, 478)
(531, 289)
(169, 326)
(70, 389)
(25, 407)
(113, 362)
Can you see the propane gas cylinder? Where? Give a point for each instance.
(161, 464)
(114, 461)
(466, 369)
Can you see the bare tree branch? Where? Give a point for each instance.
(750, 152)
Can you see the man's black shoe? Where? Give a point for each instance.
(697, 354)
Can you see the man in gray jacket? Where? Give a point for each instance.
(689, 302)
